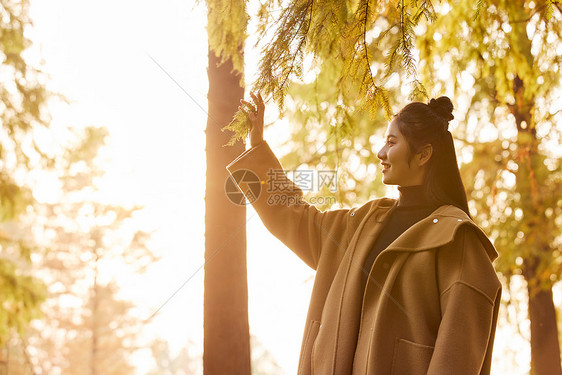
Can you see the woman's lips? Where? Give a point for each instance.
(385, 167)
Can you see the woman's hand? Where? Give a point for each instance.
(255, 112)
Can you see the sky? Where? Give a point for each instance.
(138, 68)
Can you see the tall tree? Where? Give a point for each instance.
(87, 327)
(226, 327)
(502, 57)
(511, 51)
(22, 117)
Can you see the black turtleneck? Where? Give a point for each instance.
(412, 207)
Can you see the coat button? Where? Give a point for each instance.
(435, 220)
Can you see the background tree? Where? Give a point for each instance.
(511, 52)
(332, 63)
(263, 363)
(88, 328)
(22, 119)
(226, 327)
(182, 363)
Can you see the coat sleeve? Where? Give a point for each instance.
(280, 204)
(470, 297)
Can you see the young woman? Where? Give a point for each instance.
(402, 286)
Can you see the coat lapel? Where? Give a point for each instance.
(372, 225)
(436, 230)
(439, 229)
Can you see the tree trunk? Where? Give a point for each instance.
(545, 349)
(226, 328)
(545, 352)
(94, 355)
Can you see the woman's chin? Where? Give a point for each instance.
(386, 180)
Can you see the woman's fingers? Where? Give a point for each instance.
(258, 101)
(255, 101)
(254, 110)
(247, 106)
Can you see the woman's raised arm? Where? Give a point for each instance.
(280, 204)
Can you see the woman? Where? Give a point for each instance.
(402, 286)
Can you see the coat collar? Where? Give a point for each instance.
(436, 230)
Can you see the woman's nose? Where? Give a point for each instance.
(381, 154)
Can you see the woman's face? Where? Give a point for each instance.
(394, 158)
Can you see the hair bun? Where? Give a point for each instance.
(443, 107)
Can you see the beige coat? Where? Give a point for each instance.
(431, 302)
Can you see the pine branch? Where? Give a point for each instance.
(240, 126)
(299, 51)
(374, 92)
(358, 65)
(281, 57)
(418, 91)
(479, 7)
(406, 32)
(226, 28)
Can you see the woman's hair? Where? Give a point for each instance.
(424, 123)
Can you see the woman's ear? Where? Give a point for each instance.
(424, 155)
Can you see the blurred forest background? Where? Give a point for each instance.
(56, 232)
(336, 71)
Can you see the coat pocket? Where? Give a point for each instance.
(305, 362)
(410, 358)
